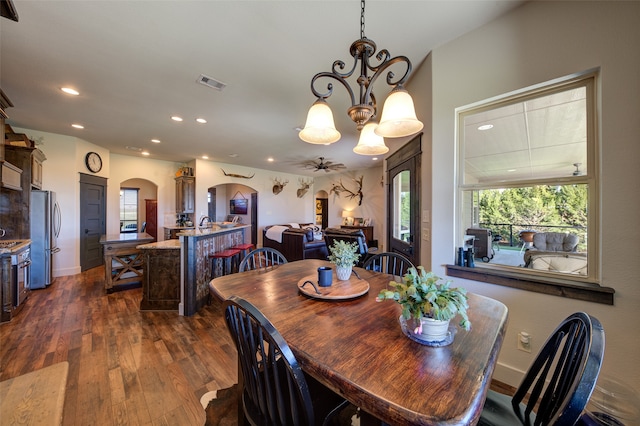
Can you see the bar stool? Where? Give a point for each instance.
(229, 259)
(244, 249)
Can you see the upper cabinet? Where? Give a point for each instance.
(37, 158)
(185, 194)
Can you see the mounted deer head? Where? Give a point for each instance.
(278, 185)
(304, 187)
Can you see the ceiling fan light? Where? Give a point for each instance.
(398, 115)
(319, 128)
(370, 143)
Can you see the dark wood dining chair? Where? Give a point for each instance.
(261, 258)
(559, 382)
(388, 263)
(275, 389)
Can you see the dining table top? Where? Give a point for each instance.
(356, 346)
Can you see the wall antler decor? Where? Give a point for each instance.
(278, 185)
(337, 188)
(304, 187)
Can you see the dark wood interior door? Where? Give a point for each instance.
(151, 215)
(92, 220)
(403, 211)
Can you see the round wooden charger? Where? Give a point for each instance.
(338, 290)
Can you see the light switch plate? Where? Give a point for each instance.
(426, 216)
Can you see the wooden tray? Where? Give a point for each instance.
(339, 290)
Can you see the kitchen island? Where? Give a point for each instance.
(180, 270)
(123, 262)
(161, 283)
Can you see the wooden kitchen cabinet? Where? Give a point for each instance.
(6, 290)
(161, 285)
(185, 194)
(37, 158)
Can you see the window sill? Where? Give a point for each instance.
(562, 288)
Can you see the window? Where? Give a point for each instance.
(128, 210)
(528, 174)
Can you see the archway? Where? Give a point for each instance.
(227, 200)
(322, 209)
(146, 207)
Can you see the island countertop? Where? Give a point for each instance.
(126, 238)
(215, 229)
(160, 245)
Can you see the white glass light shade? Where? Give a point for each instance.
(319, 128)
(398, 115)
(370, 143)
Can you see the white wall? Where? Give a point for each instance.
(538, 42)
(373, 200)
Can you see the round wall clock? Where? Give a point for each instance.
(93, 162)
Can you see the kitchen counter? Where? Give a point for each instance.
(160, 245)
(10, 250)
(215, 229)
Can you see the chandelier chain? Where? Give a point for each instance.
(362, 19)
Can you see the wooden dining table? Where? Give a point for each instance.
(356, 347)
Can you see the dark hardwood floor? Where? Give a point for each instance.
(125, 366)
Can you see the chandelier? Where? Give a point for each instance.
(398, 114)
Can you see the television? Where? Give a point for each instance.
(238, 206)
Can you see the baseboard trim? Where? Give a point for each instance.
(507, 374)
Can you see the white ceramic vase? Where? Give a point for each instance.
(433, 330)
(343, 272)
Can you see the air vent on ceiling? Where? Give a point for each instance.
(211, 82)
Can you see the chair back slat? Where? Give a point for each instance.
(275, 391)
(573, 355)
(262, 258)
(389, 263)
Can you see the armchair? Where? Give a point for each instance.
(350, 235)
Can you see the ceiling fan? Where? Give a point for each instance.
(577, 171)
(327, 166)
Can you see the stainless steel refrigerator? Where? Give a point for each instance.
(45, 229)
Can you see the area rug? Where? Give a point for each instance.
(221, 408)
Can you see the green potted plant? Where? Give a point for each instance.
(428, 301)
(344, 255)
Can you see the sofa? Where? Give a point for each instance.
(295, 241)
(556, 252)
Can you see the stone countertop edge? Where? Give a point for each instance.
(212, 230)
(21, 244)
(160, 245)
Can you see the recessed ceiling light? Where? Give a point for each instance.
(78, 126)
(511, 170)
(201, 120)
(233, 155)
(205, 157)
(375, 159)
(133, 148)
(70, 91)
(145, 153)
(485, 127)
(270, 159)
(176, 118)
(155, 140)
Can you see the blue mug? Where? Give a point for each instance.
(325, 276)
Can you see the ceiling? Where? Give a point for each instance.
(540, 137)
(136, 64)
